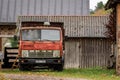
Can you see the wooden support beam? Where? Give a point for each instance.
(0, 65)
(0, 44)
(118, 39)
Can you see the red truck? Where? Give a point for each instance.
(41, 45)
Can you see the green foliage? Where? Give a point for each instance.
(14, 43)
(91, 11)
(99, 10)
(100, 5)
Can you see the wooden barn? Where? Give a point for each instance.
(87, 45)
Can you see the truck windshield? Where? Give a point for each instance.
(53, 35)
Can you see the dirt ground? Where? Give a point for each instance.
(36, 77)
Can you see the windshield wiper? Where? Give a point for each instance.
(26, 40)
(46, 40)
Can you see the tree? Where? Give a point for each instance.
(99, 10)
(100, 5)
(111, 29)
(91, 11)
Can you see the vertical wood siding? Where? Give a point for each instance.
(87, 53)
(75, 26)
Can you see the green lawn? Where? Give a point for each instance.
(93, 74)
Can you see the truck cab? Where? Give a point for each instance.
(41, 46)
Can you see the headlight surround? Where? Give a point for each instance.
(25, 53)
(56, 53)
(40, 53)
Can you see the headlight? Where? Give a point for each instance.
(56, 53)
(43, 50)
(50, 51)
(25, 53)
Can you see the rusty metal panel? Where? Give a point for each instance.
(76, 26)
(11, 9)
(87, 53)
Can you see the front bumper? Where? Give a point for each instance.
(40, 61)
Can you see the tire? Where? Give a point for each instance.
(21, 67)
(24, 67)
(58, 67)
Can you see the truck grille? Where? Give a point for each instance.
(40, 53)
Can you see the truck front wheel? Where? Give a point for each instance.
(21, 67)
(58, 67)
(24, 67)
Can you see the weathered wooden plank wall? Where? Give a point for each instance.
(7, 30)
(87, 53)
(75, 26)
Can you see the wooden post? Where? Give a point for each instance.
(0, 50)
(118, 39)
(0, 65)
(0, 44)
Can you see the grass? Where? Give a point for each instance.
(92, 74)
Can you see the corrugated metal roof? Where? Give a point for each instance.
(75, 26)
(10, 9)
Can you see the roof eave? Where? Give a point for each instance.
(7, 23)
(111, 4)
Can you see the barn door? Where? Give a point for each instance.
(87, 53)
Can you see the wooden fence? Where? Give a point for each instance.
(87, 53)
